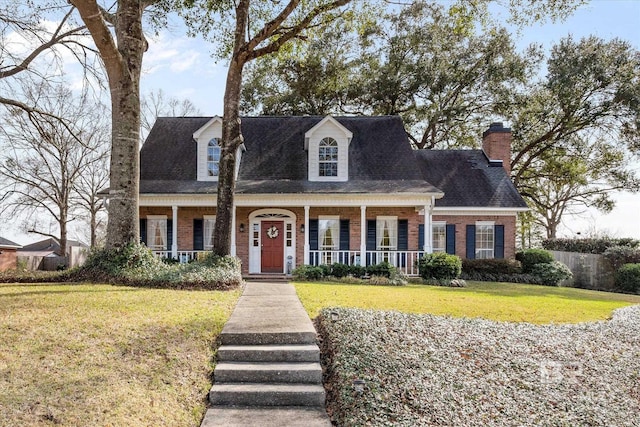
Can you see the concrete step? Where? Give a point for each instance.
(250, 394)
(267, 338)
(269, 353)
(274, 416)
(268, 372)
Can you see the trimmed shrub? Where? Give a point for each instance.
(531, 257)
(308, 272)
(628, 278)
(490, 266)
(357, 270)
(339, 270)
(551, 274)
(383, 269)
(588, 246)
(440, 265)
(136, 265)
(621, 255)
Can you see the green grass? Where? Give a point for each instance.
(107, 355)
(496, 301)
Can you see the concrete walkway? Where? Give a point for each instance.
(268, 371)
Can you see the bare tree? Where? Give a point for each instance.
(156, 104)
(44, 159)
(94, 179)
(32, 38)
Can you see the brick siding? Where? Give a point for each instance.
(186, 215)
(8, 259)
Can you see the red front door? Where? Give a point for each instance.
(272, 259)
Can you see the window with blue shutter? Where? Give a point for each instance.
(421, 237)
(198, 232)
(313, 241)
(471, 242)
(451, 239)
(499, 241)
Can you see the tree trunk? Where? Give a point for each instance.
(231, 140)
(123, 225)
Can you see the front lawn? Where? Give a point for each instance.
(107, 355)
(496, 301)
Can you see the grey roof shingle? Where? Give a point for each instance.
(8, 243)
(275, 160)
(468, 180)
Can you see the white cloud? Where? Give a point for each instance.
(175, 54)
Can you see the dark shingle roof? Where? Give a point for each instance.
(468, 180)
(8, 243)
(380, 157)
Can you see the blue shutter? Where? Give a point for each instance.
(451, 239)
(143, 230)
(371, 238)
(403, 235)
(498, 247)
(313, 234)
(344, 235)
(198, 234)
(421, 237)
(313, 241)
(471, 242)
(403, 240)
(169, 234)
(344, 241)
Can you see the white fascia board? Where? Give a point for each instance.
(347, 133)
(477, 211)
(199, 132)
(10, 247)
(290, 200)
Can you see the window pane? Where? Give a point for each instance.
(328, 157)
(209, 227)
(484, 241)
(157, 234)
(387, 233)
(439, 237)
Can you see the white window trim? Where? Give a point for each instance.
(206, 218)
(439, 224)
(331, 143)
(163, 222)
(487, 250)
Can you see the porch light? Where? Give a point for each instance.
(302, 228)
(242, 228)
(334, 316)
(358, 385)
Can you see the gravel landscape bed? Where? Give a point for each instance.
(433, 370)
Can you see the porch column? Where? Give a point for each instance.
(174, 238)
(306, 234)
(428, 229)
(233, 230)
(363, 234)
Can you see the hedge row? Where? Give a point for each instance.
(587, 246)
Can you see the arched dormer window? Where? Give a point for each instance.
(213, 157)
(328, 157)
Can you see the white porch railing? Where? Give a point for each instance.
(183, 256)
(405, 261)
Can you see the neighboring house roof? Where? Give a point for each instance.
(6, 243)
(468, 180)
(50, 245)
(275, 160)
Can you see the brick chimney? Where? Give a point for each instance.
(496, 144)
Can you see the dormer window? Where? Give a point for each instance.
(327, 145)
(213, 157)
(328, 157)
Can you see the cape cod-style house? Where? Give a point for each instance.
(316, 190)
